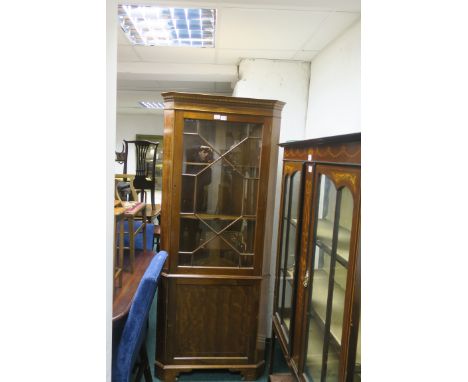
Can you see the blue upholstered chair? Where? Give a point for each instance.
(132, 347)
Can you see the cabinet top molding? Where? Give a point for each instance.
(348, 138)
(206, 102)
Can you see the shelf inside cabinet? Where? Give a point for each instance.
(205, 216)
(325, 236)
(224, 165)
(315, 350)
(319, 304)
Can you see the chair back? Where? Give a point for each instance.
(134, 332)
(141, 151)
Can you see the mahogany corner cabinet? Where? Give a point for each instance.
(220, 160)
(316, 309)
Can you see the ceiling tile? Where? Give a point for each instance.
(126, 54)
(305, 55)
(331, 28)
(121, 38)
(344, 5)
(233, 56)
(265, 28)
(176, 54)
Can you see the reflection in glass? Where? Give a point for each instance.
(317, 317)
(220, 171)
(291, 197)
(216, 253)
(283, 276)
(330, 271)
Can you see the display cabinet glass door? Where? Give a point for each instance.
(218, 203)
(331, 249)
(289, 234)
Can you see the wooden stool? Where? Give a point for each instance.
(118, 259)
(130, 214)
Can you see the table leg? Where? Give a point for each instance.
(132, 243)
(121, 250)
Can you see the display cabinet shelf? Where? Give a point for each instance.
(324, 240)
(319, 305)
(205, 164)
(186, 215)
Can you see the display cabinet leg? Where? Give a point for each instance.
(250, 374)
(166, 375)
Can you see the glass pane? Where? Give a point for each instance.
(339, 285)
(219, 190)
(216, 253)
(322, 266)
(284, 227)
(346, 220)
(317, 315)
(250, 196)
(245, 157)
(336, 323)
(255, 131)
(326, 213)
(197, 155)
(289, 255)
(219, 193)
(296, 194)
(357, 367)
(241, 236)
(187, 197)
(190, 126)
(330, 272)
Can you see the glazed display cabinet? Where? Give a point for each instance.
(317, 291)
(220, 158)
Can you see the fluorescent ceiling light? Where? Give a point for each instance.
(151, 104)
(155, 26)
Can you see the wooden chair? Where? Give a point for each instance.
(145, 171)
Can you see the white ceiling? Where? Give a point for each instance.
(268, 29)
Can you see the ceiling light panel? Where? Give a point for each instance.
(151, 105)
(155, 26)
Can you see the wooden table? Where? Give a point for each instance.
(123, 296)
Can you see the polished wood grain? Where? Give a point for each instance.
(208, 316)
(123, 296)
(222, 104)
(228, 305)
(336, 149)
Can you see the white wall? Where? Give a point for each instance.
(335, 87)
(111, 86)
(128, 125)
(286, 81)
